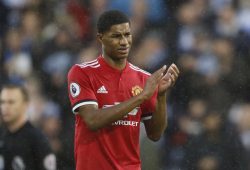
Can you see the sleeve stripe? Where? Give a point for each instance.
(82, 103)
(146, 117)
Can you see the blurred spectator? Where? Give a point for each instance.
(189, 19)
(31, 26)
(218, 148)
(80, 14)
(186, 126)
(239, 115)
(17, 62)
(151, 52)
(226, 24)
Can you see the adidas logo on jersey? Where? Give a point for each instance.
(102, 89)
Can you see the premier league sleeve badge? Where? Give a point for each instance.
(74, 89)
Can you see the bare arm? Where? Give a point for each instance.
(156, 126)
(97, 118)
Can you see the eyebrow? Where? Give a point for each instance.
(121, 32)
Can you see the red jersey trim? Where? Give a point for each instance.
(82, 103)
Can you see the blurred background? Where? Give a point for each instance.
(208, 109)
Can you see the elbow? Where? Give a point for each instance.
(154, 138)
(93, 128)
(92, 125)
(92, 122)
(157, 136)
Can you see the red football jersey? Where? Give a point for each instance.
(115, 146)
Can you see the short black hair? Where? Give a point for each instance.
(110, 18)
(22, 89)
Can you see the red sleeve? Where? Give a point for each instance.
(79, 88)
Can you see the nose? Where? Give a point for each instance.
(123, 41)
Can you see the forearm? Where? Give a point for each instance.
(99, 118)
(158, 122)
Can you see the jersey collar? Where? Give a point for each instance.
(109, 67)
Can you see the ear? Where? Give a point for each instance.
(99, 37)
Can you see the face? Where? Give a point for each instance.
(12, 104)
(117, 41)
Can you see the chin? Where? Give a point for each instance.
(119, 57)
(122, 56)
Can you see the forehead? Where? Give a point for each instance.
(120, 28)
(14, 94)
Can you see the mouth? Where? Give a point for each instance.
(123, 50)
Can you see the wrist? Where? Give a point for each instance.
(162, 95)
(162, 98)
(142, 97)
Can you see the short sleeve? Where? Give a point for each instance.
(79, 88)
(148, 107)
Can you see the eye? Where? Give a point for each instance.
(115, 36)
(128, 34)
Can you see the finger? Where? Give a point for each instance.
(171, 76)
(175, 68)
(163, 69)
(172, 80)
(172, 71)
(160, 72)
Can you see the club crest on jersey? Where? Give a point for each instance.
(136, 90)
(74, 89)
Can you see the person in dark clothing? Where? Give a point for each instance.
(23, 147)
(217, 148)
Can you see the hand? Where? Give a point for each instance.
(153, 82)
(168, 80)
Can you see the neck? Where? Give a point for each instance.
(14, 126)
(119, 64)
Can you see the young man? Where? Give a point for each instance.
(22, 146)
(110, 96)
